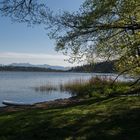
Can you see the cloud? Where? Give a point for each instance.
(31, 55)
(34, 58)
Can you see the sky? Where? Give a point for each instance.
(22, 44)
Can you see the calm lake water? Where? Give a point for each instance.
(19, 86)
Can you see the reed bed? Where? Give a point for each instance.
(95, 86)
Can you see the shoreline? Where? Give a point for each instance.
(43, 105)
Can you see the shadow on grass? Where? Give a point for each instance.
(85, 102)
(73, 122)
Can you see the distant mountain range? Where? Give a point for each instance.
(101, 67)
(39, 66)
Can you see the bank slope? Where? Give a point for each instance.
(115, 118)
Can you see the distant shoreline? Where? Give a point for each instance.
(101, 67)
(38, 69)
(27, 69)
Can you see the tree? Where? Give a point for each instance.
(101, 29)
(28, 11)
(110, 29)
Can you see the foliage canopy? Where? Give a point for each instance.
(109, 29)
(101, 29)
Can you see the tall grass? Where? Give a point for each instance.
(46, 88)
(95, 86)
(92, 87)
(75, 87)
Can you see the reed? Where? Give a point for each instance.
(74, 87)
(46, 88)
(94, 86)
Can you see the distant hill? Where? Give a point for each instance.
(39, 66)
(101, 67)
(30, 69)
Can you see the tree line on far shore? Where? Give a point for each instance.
(30, 69)
(101, 67)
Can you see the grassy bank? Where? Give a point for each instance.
(115, 118)
(100, 115)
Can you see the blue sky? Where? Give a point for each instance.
(22, 44)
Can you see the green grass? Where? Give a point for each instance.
(115, 118)
(100, 116)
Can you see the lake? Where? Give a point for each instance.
(20, 86)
